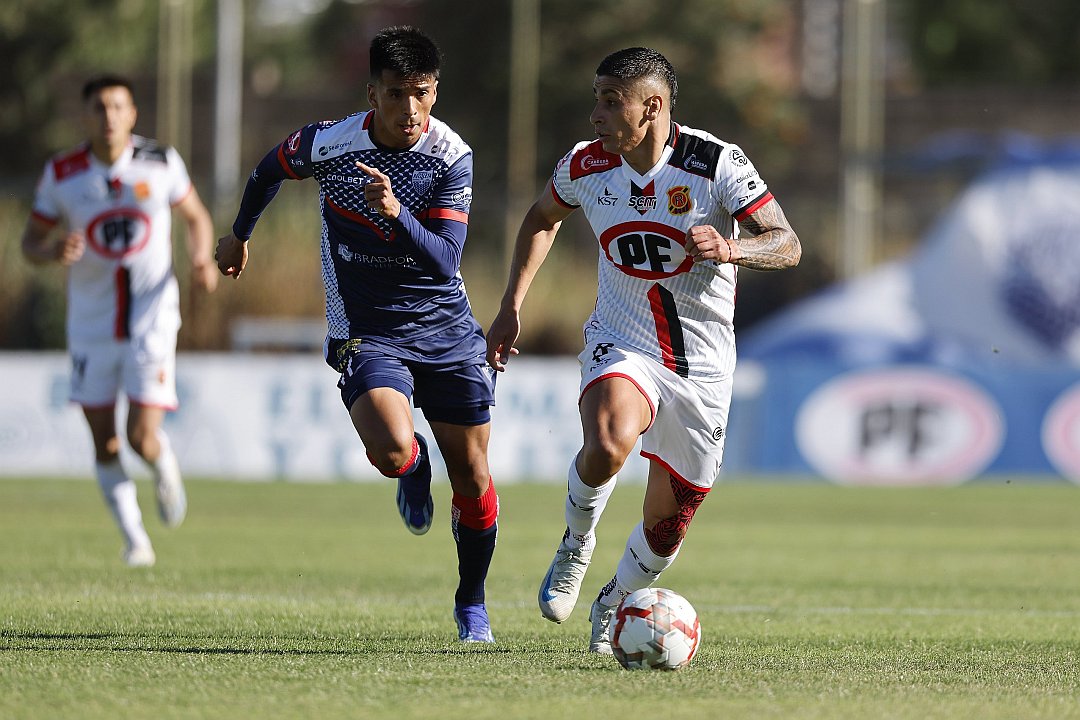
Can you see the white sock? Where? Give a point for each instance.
(639, 567)
(166, 466)
(119, 493)
(584, 504)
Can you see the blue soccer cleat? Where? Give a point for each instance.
(414, 493)
(472, 623)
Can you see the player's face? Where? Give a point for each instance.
(402, 107)
(109, 117)
(619, 115)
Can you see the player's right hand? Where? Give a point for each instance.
(501, 336)
(70, 248)
(231, 255)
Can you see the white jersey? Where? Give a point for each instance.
(123, 286)
(651, 295)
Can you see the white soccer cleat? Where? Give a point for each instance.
(562, 584)
(171, 498)
(600, 616)
(139, 556)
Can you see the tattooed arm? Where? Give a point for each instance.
(773, 245)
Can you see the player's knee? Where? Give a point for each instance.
(603, 455)
(391, 459)
(144, 442)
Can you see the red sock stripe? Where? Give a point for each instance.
(478, 513)
(404, 468)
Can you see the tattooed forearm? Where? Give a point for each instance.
(774, 245)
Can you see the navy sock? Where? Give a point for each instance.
(474, 550)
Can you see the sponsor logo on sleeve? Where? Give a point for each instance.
(693, 163)
(738, 158)
(292, 144)
(463, 197)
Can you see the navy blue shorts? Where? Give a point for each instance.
(456, 394)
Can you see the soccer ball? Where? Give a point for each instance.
(655, 629)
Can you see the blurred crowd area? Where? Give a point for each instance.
(957, 80)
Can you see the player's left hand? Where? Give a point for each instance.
(703, 242)
(378, 194)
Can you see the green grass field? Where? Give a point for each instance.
(292, 600)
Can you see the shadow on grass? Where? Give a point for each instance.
(120, 642)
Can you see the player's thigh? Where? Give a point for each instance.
(95, 373)
(149, 369)
(382, 417)
(617, 396)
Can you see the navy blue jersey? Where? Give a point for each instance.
(393, 284)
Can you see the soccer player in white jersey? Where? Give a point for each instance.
(665, 202)
(395, 191)
(104, 210)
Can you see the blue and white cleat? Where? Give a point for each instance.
(414, 494)
(561, 586)
(472, 623)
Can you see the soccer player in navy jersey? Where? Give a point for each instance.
(395, 191)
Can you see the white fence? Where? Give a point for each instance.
(266, 417)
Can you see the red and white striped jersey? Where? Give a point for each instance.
(651, 295)
(124, 283)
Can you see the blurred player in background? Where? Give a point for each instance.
(665, 202)
(104, 211)
(396, 187)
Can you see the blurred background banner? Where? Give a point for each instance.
(925, 152)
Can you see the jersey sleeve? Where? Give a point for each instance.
(179, 181)
(452, 198)
(738, 186)
(561, 186)
(294, 153)
(438, 236)
(45, 207)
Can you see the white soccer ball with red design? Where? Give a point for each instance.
(654, 629)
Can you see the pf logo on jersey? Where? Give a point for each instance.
(647, 250)
(118, 232)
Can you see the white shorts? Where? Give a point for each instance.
(144, 368)
(686, 434)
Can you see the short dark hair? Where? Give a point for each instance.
(639, 62)
(97, 84)
(406, 50)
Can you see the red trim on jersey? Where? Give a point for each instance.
(444, 214)
(592, 159)
(140, 403)
(356, 217)
(190, 189)
(753, 207)
(663, 329)
(72, 163)
(50, 221)
(624, 376)
(367, 120)
(674, 475)
(121, 323)
(427, 124)
(555, 194)
(285, 163)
